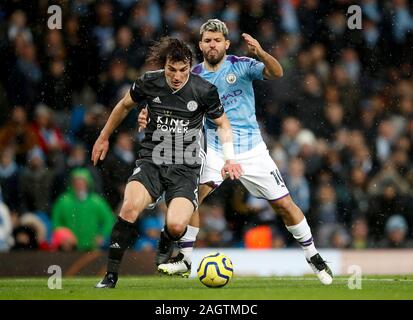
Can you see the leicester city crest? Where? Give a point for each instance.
(192, 105)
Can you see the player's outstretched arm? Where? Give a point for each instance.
(230, 168)
(273, 68)
(121, 110)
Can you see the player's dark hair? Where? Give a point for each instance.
(169, 48)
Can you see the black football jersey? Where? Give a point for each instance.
(174, 133)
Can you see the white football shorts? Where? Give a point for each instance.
(261, 175)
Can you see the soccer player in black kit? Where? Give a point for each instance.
(171, 156)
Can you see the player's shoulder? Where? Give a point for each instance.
(197, 69)
(236, 59)
(200, 83)
(153, 75)
(241, 63)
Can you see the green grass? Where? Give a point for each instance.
(249, 288)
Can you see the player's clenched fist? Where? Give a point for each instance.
(100, 149)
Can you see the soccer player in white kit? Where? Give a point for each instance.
(233, 76)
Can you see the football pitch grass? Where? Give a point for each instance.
(244, 288)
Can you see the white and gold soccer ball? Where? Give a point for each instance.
(215, 270)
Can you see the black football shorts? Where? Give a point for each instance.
(176, 180)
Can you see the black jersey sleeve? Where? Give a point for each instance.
(137, 91)
(214, 108)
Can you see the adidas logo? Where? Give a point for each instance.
(115, 246)
(157, 100)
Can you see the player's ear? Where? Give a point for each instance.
(227, 44)
(199, 45)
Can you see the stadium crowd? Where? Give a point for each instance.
(339, 124)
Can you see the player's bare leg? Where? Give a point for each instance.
(297, 225)
(180, 265)
(178, 215)
(124, 233)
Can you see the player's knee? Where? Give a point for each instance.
(284, 206)
(129, 211)
(176, 229)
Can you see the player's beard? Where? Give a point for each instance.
(213, 60)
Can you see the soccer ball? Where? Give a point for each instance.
(215, 270)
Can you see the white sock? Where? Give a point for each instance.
(302, 233)
(187, 242)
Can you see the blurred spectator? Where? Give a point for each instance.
(289, 19)
(230, 16)
(349, 91)
(149, 230)
(360, 234)
(126, 49)
(9, 178)
(4, 105)
(56, 90)
(203, 10)
(25, 238)
(311, 103)
(18, 133)
(290, 129)
(84, 212)
(93, 121)
(326, 211)
(333, 118)
(298, 185)
(79, 158)
(36, 183)
(18, 26)
(339, 238)
(6, 229)
(335, 32)
(214, 231)
(384, 140)
(117, 168)
(104, 31)
(26, 76)
(318, 57)
(402, 20)
(396, 233)
(149, 14)
(35, 223)
(372, 10)
(358, 191)
(54, 46)
(310, 17)
(351, 63)
(63, 239)
(388, 202)
(385, 177)
(261, 210)
(109, 95)
(50, 137)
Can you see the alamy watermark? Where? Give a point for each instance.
(55, 280)
(355, 20)
(55, 20)
(354, 281)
